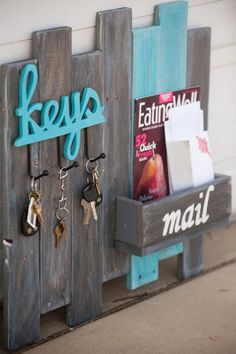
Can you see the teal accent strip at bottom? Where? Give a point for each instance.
(171, 251)
(144, 270)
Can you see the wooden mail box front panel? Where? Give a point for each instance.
(189, 212)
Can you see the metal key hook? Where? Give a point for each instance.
(101, 156)
(34, 179)
(33, 184)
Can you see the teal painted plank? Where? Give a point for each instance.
(144, 270)
(172, 66)
(146, 49)
(170, 251)
(159, 65)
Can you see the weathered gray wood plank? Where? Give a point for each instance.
(86, 289)
(1, 272)
(190, 262)
(198, 64)
(155, 247)
(183, 213)
(198, 73)
(53, 50)
(114, 40)
(21, 254)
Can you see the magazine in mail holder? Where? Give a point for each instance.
(171, 226)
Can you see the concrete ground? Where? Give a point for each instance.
(197, 317)
(220, 249)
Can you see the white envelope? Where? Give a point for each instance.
(179, 165)
(185, 124)
(189, 162)
(202, 166)
(193, 106)
(188, 150)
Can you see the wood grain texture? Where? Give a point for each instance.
(198, 64)
(21, 256)
(144, 270)
(191, 261)
(53, 50)
(172, 18)
(114, 40)
(1, 271)
(159, 65)
(86, 288)
(150, 229)
(170, 251)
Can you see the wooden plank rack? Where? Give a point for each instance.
(46, 102)
(163, 228)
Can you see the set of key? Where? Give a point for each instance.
(32, 217)
(92, 197)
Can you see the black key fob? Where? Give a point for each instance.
(90, 194)
(26, 229)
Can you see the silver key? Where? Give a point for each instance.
(87, 211)
(31, 216)
(93, 207)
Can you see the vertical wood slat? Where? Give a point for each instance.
(86, 291)
(53, 50)
(198, 73)
(1, 270)
(2, 81)
(164, 64)
(198, 64)
(190, 262)
(114, 40)
(21, 254)
(172, 18)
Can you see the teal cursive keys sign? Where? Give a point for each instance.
(66, 117)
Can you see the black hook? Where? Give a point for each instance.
(45, 173)
(74, 164)
(101, 156)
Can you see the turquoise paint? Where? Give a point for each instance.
(172, 68)
(144, 270)
(146, 48)
(159, 65)
(170, 251)
(66, 117)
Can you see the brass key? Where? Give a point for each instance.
(87, 211)
(58, 232)
(96, 180)
(36, 207)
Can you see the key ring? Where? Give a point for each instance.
(61, 176)
(62, 213)
(90, 161)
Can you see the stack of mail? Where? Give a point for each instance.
(188, 149)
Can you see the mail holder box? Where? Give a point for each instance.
(143, 228)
